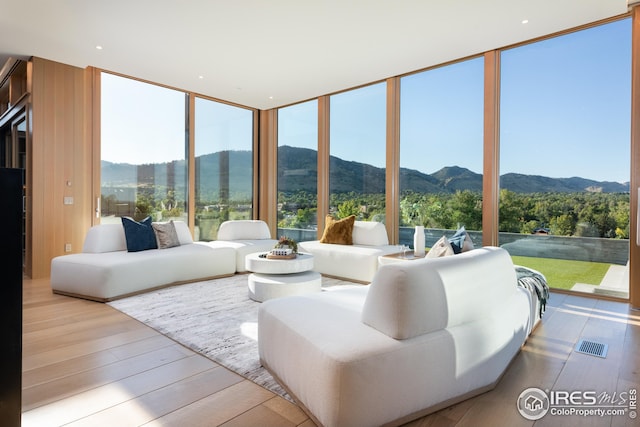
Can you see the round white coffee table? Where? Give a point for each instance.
(273, 278)
(255, 263)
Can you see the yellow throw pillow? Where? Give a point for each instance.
(338, 231)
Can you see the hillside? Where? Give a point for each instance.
(297, 171)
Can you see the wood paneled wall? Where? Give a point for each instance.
(60, 161)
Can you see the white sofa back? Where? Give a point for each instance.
(245, 229)
(412, 298)
(110, 237)
(369, 233)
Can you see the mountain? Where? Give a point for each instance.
(172, 174)
(454, 178)
(298, 167)
(542, 184)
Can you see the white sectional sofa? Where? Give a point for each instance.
(357, 262)
(424, 335)
(105, 270)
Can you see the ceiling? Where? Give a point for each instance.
(269, 53)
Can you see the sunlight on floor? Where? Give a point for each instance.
(550, 348)
(250, 330)
(612, 316)
(77, 406)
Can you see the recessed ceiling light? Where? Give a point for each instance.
(99, 47)
(271, 97)
(201, 77)
(525, 21)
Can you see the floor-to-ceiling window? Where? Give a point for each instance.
(144, 153)
(223, 165)
(564, 157)
(358, 153)
(298, 171)
(143, 150)
(441, 137)
(563, 128)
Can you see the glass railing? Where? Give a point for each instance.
(581, 264)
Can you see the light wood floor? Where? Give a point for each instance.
(84, 363)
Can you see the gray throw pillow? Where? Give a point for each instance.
(166, 234)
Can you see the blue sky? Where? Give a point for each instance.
(565, 111)
(565, 105)
(141, 123)
(129, 136)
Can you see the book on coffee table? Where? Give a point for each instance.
(281, 254)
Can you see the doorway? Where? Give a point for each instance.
(14, 147)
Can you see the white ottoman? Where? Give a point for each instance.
(266, 286)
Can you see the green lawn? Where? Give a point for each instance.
(563, 274)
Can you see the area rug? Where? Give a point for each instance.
(214, 318)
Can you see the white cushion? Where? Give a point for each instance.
(370, 233)
(244, 230)
(105, 238)
(184, 234)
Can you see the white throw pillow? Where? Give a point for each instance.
(441, 248)
(369, 233)
(184, 234)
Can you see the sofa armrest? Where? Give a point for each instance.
(184, 234)
(404, 301)
(105, 238)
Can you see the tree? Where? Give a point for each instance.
(562, 225)
(511, 212)
(529, 227)
(348, 208)
(305, 217)
(599, 214)
(466, 209)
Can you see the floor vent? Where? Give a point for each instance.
(592, 348)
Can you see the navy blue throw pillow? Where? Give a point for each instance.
(139, 235)
(457, 240)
